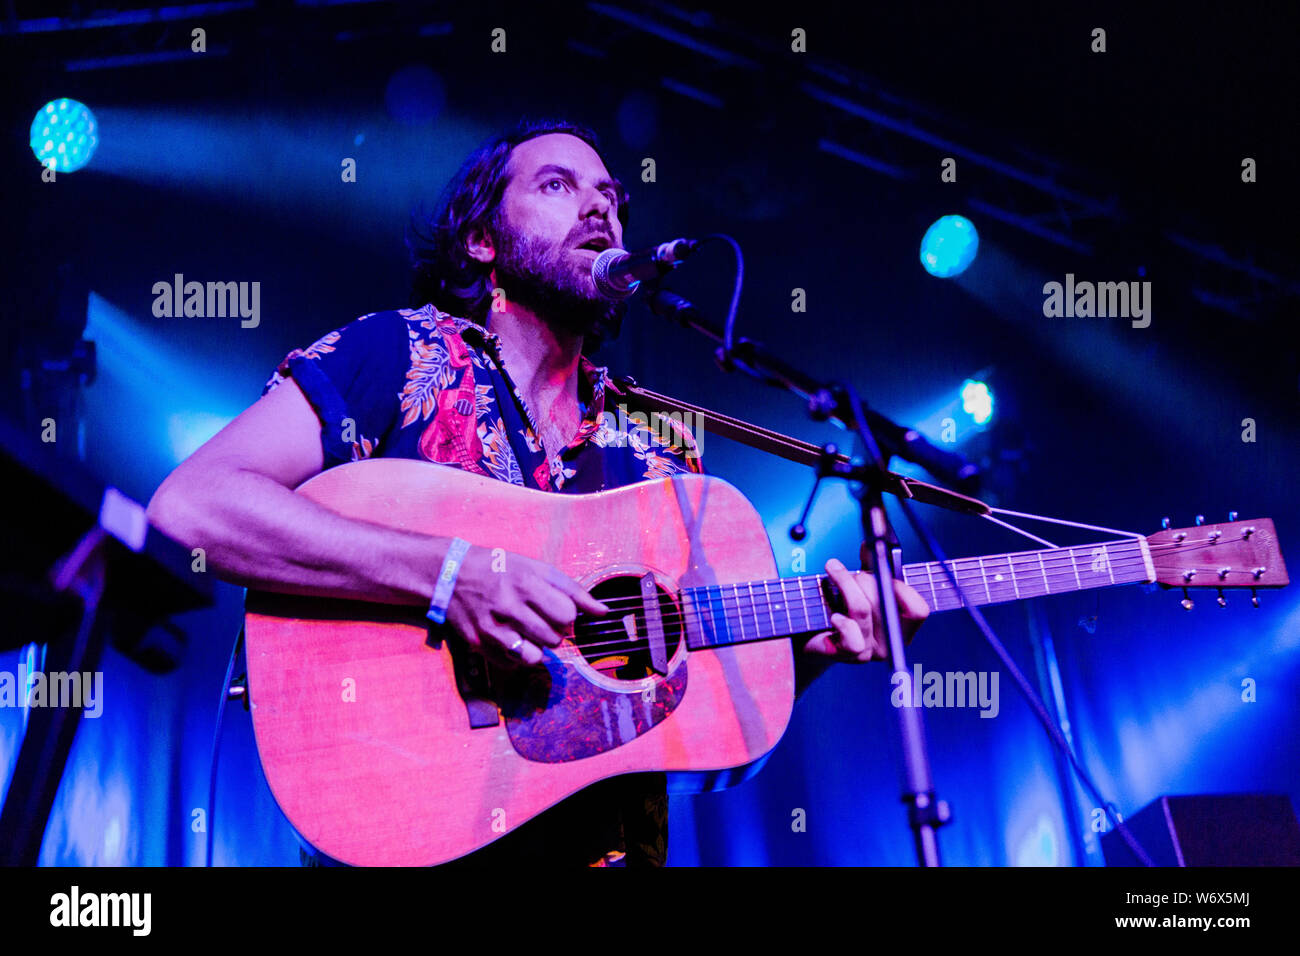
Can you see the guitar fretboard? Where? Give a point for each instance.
(721, 614)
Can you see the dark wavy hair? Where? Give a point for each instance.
(443, 272)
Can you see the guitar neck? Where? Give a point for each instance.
(721, 614)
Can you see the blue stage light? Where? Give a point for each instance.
(977, 401)
(64, 131)
(949, 246)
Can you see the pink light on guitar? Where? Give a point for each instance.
(434, 754)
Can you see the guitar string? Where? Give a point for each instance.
(735, 620)
(768, 597)
(942, 593)
(734, 626)
(946, 600)
(1056, 562)
(759, 601)
(694, 615)
(1057, 570)
(975, 574)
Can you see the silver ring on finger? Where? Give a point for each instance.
(515, 646)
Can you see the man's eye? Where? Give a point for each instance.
(560, 181)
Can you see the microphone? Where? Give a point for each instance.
(619, 273)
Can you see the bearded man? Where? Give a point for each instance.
(488, 374)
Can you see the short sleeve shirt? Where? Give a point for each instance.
(419, 383)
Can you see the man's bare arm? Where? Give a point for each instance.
(233, 498)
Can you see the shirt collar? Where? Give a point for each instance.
(593, 381)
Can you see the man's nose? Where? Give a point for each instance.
(600, 205)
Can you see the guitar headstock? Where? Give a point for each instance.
(1232, 554)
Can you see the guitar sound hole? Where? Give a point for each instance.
(617, 645)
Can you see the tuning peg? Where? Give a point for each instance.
(1254, 598)
(1232, 516)
(1223, 601)
(1186, 602)
(1164, 523)
(1200, 520)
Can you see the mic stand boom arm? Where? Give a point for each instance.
(840, 401)
(754, 360)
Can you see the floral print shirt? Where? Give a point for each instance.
(419, 383)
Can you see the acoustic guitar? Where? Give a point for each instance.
(385, 741)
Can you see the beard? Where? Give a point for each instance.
(556, 285)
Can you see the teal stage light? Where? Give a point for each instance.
(949, 246)
(65, 132)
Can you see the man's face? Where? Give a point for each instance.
(560, 197)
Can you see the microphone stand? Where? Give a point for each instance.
(926, 813)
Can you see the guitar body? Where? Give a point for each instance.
(362, 729)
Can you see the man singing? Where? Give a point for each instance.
(488, 375)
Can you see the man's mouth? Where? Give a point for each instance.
(597, 244)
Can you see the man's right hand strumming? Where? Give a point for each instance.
(511, 606)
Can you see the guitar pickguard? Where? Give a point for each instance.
(560, 714)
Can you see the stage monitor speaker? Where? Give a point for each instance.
(1231, 829)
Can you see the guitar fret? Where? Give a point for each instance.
(987, 594)
(702, 600)
(998, 577)
(716, 634)
(785, 604)
(771, 614)
(818, 598)
(804, 605)
(1075, 565)
(740, 612)
(1046, 584)
(753, 610)
(691, 602)
(929, 573)
(726, 613)
(819, 604)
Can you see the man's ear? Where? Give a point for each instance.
(480, 246)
